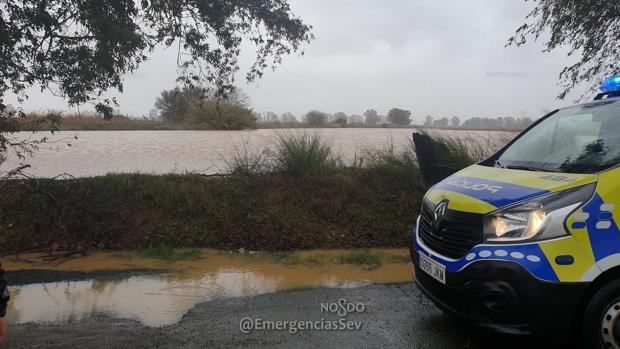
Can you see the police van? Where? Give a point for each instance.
(526, 242)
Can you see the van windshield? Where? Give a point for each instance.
(581, 139)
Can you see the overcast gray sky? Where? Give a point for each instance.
(437, 57)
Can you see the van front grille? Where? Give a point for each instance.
(454, 235)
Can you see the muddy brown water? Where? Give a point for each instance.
(96, 153)
(163, 299)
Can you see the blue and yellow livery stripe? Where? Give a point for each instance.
(495, 193)
(548, 181)
(482, 189)
(459, 202)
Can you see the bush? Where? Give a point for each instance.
(461, 151)
(247, 162)
(221, 116)
(302, 152)
(174, 104)
(401, 165)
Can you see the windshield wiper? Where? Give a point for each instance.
(523, 168)
(529, 168)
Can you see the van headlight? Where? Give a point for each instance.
(537, 219)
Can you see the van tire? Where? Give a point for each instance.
(604, 301)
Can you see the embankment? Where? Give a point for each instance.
(275, 211)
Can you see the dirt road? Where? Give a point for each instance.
(388, 316)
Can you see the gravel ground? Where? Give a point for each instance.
(394, 316)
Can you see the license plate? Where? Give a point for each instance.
(432, 268)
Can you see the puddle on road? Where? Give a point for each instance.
(159, 300)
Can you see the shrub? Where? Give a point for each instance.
(221, 116)
(174, 104)
(398, 164)
(302, 152)
(247, 162)
(460, 151)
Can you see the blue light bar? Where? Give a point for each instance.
(611, 85)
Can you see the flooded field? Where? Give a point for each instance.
(100, 152)
(163, 299)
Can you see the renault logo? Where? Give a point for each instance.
(440, 210)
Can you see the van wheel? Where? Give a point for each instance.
(601, 323)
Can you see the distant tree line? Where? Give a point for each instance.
(396, 116)
(509, 122)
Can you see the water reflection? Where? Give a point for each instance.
(159, 300)
(152, 300)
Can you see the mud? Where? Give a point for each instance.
(37, 276)
(129, 286)
(122, 300)
(395, 316)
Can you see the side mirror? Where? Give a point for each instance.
(432, 171)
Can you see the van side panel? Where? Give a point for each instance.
(602, 227)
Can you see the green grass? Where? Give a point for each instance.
(167, 253)
(285, 258)
(365, 259)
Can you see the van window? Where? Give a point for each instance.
(582, 139)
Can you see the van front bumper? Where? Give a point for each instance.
(504, 297)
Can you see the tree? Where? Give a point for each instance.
(271, 117)
(497, 123)
(316, 117)
(289, 117)
(356, 119)
(221, 115)
(428, 121)
(154, 115)
(340, 118)
(443, 122)
(589, 28)
(81, 49)
(237, 96)
(455, 121)
(174, 104)
(399, 116)
(372, 117)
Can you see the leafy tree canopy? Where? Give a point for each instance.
(372, 117)
(399, 116)
(315, 117)
(591, 29)
(81, 49)
(174, 104)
